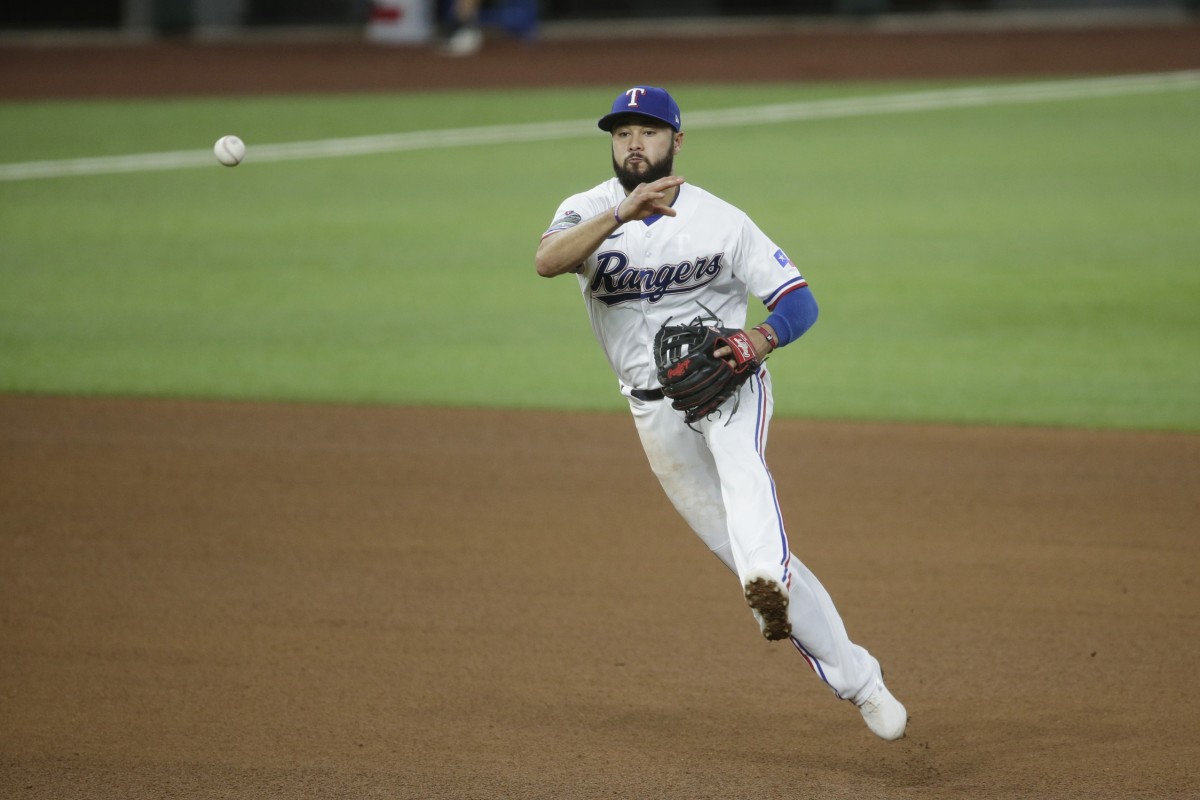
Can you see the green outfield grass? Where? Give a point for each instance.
(1016, 264)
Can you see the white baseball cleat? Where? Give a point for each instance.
(884, 714)
(769, 601)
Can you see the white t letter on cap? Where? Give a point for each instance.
(633, 96)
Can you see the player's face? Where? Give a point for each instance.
(643, 152)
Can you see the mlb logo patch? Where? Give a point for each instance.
(783, 260)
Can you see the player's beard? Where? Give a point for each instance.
(654, 171)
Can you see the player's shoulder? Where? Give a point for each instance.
(600, 195)
(605, 189)
(705, 199)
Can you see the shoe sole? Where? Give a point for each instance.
(767, 598)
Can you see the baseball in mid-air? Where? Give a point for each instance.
(230, 150)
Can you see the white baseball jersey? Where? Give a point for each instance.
(664, 267)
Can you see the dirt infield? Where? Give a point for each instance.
(205, 599)
(220, 600)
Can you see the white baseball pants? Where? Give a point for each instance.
(717, 478)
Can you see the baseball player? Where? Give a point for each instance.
(648, 247)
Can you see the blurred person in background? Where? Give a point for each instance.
(464, 34)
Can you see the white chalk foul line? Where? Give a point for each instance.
(905, 102)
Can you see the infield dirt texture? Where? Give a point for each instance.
(208, 599)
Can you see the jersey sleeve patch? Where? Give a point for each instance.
(568, 219)
(782, 258)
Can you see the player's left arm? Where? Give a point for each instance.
(793, 314)
(773, 278)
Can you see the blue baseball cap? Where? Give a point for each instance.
(646, 101)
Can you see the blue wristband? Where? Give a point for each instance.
(794, 314)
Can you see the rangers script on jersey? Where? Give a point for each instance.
(663, 267)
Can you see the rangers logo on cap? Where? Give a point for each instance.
(645, 101)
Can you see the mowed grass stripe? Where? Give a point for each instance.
(905, 102)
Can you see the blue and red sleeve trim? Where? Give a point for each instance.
(795, 283)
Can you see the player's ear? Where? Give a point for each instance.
(678, 141)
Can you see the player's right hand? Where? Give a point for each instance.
(649, 199)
